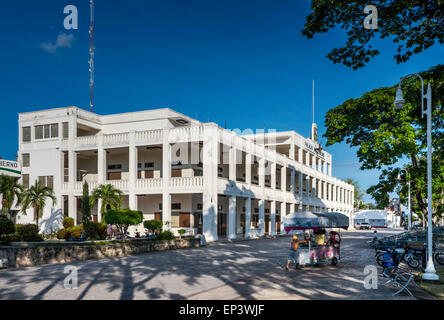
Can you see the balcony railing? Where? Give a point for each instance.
(116, 139)
(186, 183)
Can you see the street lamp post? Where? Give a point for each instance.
(430, 271)
(409, 215)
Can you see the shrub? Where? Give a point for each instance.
(73, 233)
(29, 233)
(5, 239)
(153, 225)
(96, 230)
(68, 222)
(122, 219)
(165, 235)
(181, 232)
(6, 226)
(76, 232)
(63, 234)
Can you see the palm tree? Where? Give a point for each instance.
(36, 197)
(111, 197)
(9, 190)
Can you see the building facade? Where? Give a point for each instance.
(191, 175)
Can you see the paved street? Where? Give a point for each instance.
(240, 270)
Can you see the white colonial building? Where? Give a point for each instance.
(191, 175)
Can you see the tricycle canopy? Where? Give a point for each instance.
(303, 220)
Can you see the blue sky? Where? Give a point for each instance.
(242, 62)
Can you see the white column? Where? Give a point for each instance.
(284, 178)
(319, 189)
(301, 185)
(210, 163)
(324, 190)
(307, 158)
(292, 180)
(132, 170)
(300, 155)
(283, 214)
(307, 191)
(329, 169)
(232, 218)
(273, 175)
(261, 217)
(335, 199)
(248, 161)
(72, 163)
(247, 217)
(72, 208)
(273, 218)
(262, 172)
(324, 167)
(232, 164)
(166, 174)
(292, 208)
(292, 150)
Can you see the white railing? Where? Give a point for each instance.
(119, 184)
(86, 141)
(116, 139)
(185, 134)
(186, 182)
(149, 136)
(149, 184)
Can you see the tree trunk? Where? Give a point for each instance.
(36, 215)
(417, 191)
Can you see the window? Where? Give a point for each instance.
(176, 206)
(26, 131)
(25, 160)
(65, 129)
(149, 165)
(25, 181)
(115, 167)
(54, 130)
(199, 206)
(47, 181)
(47, 131)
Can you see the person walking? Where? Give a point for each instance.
(293, 253)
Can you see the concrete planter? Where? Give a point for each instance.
(28, 255)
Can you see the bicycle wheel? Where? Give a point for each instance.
(413, 262)
(380, 259)
(439, 257)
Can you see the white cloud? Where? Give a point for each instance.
(63, 41)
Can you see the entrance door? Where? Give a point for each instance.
(158, 216)
(242, 223)
(222, 224)
(184, 220)
(278, 224)
(267, 224)
(197, 222)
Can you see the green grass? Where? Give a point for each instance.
(436, 289)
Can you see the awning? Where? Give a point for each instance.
(312, 220)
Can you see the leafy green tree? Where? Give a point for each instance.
(153, 225)
(358, 193)
(86, 205)
(122, 219)
(36, 197)
(10, 190)
(385, 135)
(413, 25)
(111, 198)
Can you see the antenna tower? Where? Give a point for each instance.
(91, 55)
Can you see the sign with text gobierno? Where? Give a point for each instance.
(10, 168)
